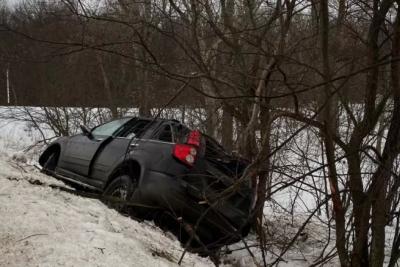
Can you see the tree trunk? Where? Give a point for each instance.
(212, 118)
(378, 188)
(107, 87)
(329, 109)
(227, 130)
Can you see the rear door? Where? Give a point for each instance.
(117, 148)
(81, 149)
(157, 148)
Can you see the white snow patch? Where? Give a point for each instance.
(42, 226)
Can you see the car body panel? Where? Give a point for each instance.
(107, 157)
(79, 152)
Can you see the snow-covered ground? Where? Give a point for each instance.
(41, 225)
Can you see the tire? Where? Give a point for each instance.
(51, 163)
(119, 192)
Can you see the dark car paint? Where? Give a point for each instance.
(164, 182)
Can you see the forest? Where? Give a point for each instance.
(307, 90)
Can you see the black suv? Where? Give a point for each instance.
(162, 168)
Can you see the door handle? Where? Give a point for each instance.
(132, 145)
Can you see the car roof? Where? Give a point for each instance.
(150, 118)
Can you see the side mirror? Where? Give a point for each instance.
(86, 131)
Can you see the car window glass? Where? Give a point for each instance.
(164, 134)
(134, 128)
(109, 128)
(180, 133)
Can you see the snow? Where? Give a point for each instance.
(42, 225)
(45, 226)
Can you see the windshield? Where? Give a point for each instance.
(109, 128)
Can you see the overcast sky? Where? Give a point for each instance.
(12, 2)
(87, 3)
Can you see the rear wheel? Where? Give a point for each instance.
(119, 192)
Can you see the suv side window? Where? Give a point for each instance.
(134, 128)
(180, 132)
(164, 133)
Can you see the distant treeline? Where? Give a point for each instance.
(132, 55)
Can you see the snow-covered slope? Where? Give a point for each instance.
(41, 225)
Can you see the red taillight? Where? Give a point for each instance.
(194, 138)
(185, 153)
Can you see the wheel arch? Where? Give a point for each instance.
(54, 148)
(131, 167)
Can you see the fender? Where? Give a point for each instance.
(121, 163)
(57, 144)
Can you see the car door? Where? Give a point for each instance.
(81, 149)
(117, 148)
(158, 148)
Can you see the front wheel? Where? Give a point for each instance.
(119, 192)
